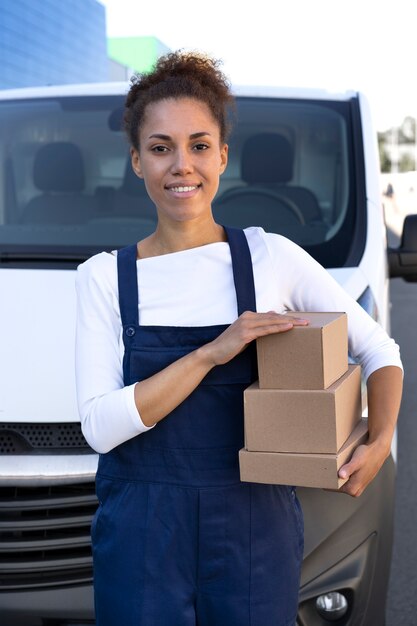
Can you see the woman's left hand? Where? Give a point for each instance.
(384, 397)
(362, 468)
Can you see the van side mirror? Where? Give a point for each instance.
(402, 261)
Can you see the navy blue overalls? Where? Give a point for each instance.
(178, 540)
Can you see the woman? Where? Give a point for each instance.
(164, 351)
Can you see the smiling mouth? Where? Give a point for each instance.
(184, 189)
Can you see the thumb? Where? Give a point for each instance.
(346, 471)
(355, 463)
(349, 468)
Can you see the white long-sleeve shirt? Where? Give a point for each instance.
(195, 288)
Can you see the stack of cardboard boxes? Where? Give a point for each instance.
(303, 418)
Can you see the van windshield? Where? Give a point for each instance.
(68, 190)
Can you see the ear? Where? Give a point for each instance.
(224, 152)
(135, 160)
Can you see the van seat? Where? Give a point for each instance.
(131, 198)
(266, 169)
(58, 172)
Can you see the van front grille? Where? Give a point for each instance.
(27, 438)
(45, 535)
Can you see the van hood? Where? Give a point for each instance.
(352, 279)
(37, 334)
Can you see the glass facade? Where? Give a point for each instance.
(51, 42)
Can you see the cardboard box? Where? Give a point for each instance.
(319, 421)
(303, 470)
(306, 357)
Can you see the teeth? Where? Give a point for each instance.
(183, 189)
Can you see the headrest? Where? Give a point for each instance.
(59, 167)
(267, 158)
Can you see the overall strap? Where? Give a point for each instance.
(128, 291)
(242, 269)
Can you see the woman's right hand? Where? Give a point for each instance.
(246, 328)
(158, 395)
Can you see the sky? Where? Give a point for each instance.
(337, 45)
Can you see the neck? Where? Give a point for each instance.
(176, 236)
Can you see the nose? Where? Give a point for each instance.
(182, 162)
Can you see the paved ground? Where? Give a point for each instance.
(402, 595)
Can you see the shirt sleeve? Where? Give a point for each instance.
(106, 406)
(305, 285)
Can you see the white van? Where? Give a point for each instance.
(66, 192)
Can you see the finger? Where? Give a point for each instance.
(273, 315)
(249, 335)
(269, 323)
(271, 329)
(352, 489)
(355, 464)
(298, 321)
(345, 471)
(350, 468)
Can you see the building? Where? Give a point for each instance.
(133, 54)
(52, 42)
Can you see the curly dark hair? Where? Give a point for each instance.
(179, 75)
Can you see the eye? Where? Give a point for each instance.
(201, 146)
(159, 149)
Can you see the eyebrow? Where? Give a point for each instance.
(167, 137)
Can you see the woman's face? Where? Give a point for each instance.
(180, 157)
